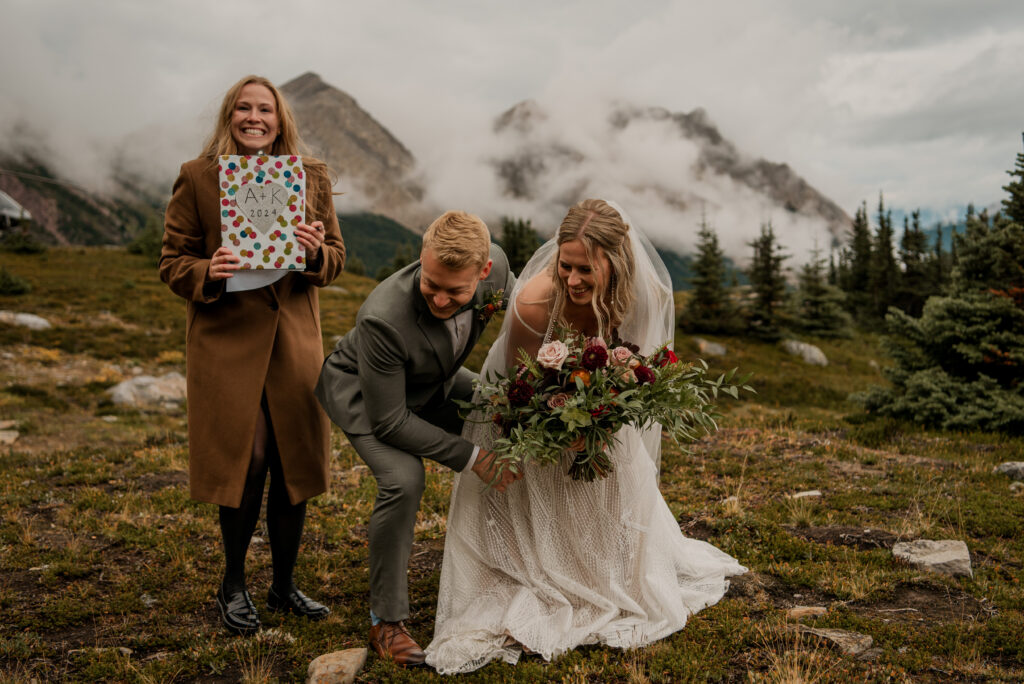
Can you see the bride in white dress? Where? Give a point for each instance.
(552, 562)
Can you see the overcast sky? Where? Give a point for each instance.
(921, 99)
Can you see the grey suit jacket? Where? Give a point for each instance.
(395, 362)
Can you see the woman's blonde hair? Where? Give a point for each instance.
(459, 239)
(597, 225)
(288, 141)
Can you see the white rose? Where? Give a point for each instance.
(553, 354)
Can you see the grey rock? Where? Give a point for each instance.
(146, 390)
(807, 352)
(850, 643)
(8, 437)
(340, 667)
(809, 494)
(8, 424)
(30, 321)
(1016, 486)
(708, 348)
(946, 556)
(797, 613)
(1014, 469)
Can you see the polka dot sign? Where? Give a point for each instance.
(262, 199)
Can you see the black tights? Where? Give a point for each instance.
(284, 520)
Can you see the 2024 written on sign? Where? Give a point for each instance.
(263, 198)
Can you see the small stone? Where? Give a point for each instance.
(124, 650)
(797, 613)
(1016, 486)
(8, 437)
(1014, 469)
(850, 643)
(148, 600)
(709, 348)
(809, 494)
(148, 390)
(946, 556)
(798, 595)
(8, 424)
(30, 321)
(257, 540)
(109, 419)
(39, 568)
(807, 352)
(340, 667)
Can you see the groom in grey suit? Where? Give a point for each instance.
(389, 384)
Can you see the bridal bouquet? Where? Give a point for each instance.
(573, 398)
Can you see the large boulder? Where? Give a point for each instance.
(1014, 469)
(146, 390)
(30, 321)
(340, 667)
(944, 556)
(709, 348)
(807, 352)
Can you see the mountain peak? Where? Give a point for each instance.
(363, 153)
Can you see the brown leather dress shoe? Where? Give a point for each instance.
(391, 640)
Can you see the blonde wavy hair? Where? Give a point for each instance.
(288, 141)
(597, 225)
(459, 239)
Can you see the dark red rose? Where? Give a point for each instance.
(520, 393)
(595, 357)
(644, 375)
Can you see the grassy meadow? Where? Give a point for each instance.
(108, 570)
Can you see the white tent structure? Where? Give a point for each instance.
(12, 213)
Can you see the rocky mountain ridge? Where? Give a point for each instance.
(668, 168)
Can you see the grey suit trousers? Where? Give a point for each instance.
(400, 478)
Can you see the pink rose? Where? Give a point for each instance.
(553, 354)
(620, 355)
(559, 400)
(597, 342)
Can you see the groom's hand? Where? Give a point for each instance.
(486, 468)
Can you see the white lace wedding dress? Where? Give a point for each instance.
(553, 563)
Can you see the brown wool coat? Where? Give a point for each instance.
(242, 344)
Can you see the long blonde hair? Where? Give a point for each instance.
(596, 224)
(288, 141)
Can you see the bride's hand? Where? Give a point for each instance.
(486, 469)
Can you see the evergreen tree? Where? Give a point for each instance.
(1013, 206)
(519, 241)
(710, 308)
(768, 284)
(914, 282)
(961, 364)
(818, 305)
(938, 265)
(355, 266)
(855, 265)
(884, 273)
(405, 254)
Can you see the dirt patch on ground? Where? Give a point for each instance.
(858, 537)
(426, 558)
(927, 603)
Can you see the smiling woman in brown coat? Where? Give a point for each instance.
(253, 354)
